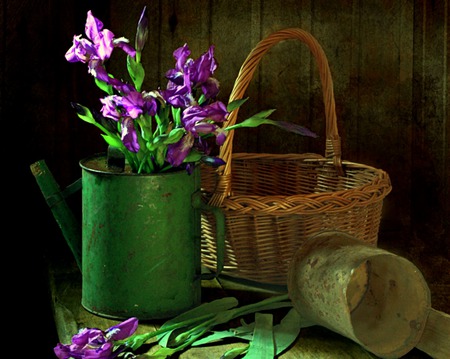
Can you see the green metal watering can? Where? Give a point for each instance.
(128, 268)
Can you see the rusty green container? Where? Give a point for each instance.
(140, 242)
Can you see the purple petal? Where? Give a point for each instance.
(123, 330)
(177, 96)
(221, 136)
(204, 127)
(109, 108)
(177, 152)
(93, 27)
(217, 111)
(105, 45)
(210, 87)
(181, 55)
(102, 38)
(81, 50)
(102, 352)
(192, 115)
(62, 351)
(204, 67)
(129, 136)
(97, 70)
(86, 335)
(294, 128)
(133, 104)
(150, 105)
(213, 161)
(125, 46)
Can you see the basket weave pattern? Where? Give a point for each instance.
(274, 202)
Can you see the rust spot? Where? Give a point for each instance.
(166, 194)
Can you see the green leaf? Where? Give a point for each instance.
(234, 352)
(161, 353)
(176, 114)
(235, 104)
(136, 71)
(201, 99)
(193, 156)
(174, 135)
(157, 141)
(162, 119)
(202, 312)
(253, 121)
(145, 123)
(287, 331)
(113, 141)
(245, 333)
(160, 156)
(84, 113)
(104, 86)
(262, 346)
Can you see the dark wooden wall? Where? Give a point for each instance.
(390, 67)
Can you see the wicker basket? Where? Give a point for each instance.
(273, 202)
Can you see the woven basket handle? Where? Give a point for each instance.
(333, 142)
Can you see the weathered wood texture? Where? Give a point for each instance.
(389, 61)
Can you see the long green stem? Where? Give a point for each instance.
(207, 321)
(135, 341)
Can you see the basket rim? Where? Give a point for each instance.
(332, 139)
(318, 202)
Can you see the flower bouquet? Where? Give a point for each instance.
(159, 131)
(163, 128)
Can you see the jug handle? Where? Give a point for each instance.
(198, 203)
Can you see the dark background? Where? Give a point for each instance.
(389, 61)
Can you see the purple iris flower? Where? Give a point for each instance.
(98, 48)
(93, 343)
(196, 73)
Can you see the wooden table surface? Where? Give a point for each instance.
(313, 342)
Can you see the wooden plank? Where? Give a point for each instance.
(234, 31)
(430, 146)
(383, 95)
(284, 79)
